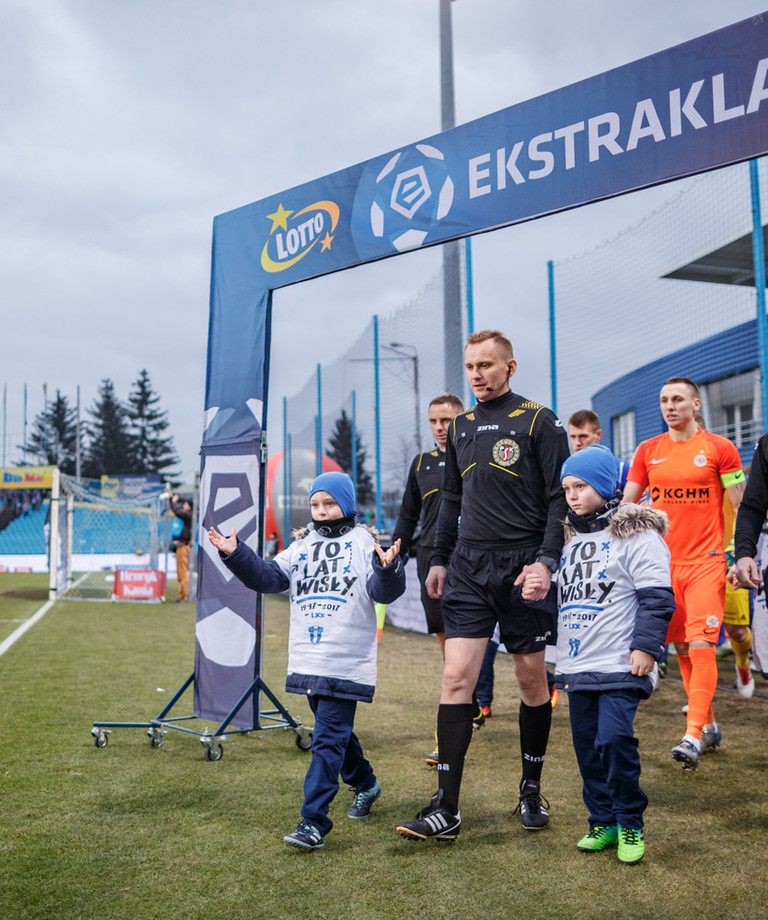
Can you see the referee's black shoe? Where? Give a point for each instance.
(531, 806)
(432, 823)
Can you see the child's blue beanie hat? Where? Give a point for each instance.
(340, 486)
(596, 465)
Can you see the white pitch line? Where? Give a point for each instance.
(28, 624)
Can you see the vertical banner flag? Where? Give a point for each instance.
(227, 653)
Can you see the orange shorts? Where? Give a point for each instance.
(699, 601)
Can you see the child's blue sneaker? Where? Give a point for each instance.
(361, 804)
(305, 837)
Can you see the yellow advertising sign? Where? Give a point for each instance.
(26, 477)
(109, 487)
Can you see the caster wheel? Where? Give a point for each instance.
(156, 738)
(304, 739)
(100, 738)
(214, 753)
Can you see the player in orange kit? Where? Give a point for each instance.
(687, 470)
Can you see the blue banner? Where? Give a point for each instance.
(695, 107)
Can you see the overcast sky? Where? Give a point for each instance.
(128, 124)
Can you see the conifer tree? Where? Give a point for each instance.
(109, 447)
(152, 449)
(340, 450)
(53, 437)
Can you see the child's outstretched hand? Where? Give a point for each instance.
(387, 557)
(223, 544)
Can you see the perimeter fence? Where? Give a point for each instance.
(673, 294)
(383, 390)
(680, 282)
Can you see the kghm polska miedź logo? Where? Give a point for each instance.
(402, 203)
(294, 234)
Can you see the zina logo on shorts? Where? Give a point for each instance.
(412, 194)
(295, 233)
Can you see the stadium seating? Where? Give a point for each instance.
(95, 530)
(24, 535)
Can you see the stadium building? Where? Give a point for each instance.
(725, 367)
(679, 291)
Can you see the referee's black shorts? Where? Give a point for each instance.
(433, 607)
(480, 592)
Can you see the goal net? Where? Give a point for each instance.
(102, 533)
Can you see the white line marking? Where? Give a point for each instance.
(28, 624)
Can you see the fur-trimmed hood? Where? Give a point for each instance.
(627, 520)
(631, 519)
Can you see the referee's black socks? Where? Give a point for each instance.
(454, 732)
(535, 722)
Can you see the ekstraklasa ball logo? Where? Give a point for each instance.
(412, 194)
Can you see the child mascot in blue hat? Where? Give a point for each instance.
(334, 572)
(615, 601)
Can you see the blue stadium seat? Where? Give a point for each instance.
(24, 535)
(95, 530)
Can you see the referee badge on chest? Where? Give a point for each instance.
(506, 452)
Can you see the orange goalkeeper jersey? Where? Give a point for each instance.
(686, 479)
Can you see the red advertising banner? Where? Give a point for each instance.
(139, 584)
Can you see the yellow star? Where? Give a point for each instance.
(279, 218)
(325, 242)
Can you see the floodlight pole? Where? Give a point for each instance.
(552, 341)
(287, 507)
(758, 260)
(77, 439)
(378, 417)
(319, 427)
(24, 449)
(45, 423)
(353, 438)
(452, 352)
(290, 489)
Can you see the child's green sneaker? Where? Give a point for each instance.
(598, 838)
(631, 845)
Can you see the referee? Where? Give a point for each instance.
(502, 483)
(421, 504)
(751, 517)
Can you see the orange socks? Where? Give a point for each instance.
(701, 685)
(684, 663)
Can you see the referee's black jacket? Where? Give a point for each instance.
(502, 479)
(754, 503)
(421, 500)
